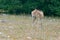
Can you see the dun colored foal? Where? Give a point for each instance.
(37, 14)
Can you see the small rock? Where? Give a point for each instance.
(8, 36)
(0, 33)
(29, 38)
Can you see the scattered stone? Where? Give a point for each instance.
(1, 33)
(29, 38)
(8, 36)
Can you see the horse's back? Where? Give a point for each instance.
(37, 13)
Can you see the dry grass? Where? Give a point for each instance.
(20, 28)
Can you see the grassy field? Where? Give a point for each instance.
(20, 27)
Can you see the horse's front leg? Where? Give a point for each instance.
(33, 20)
